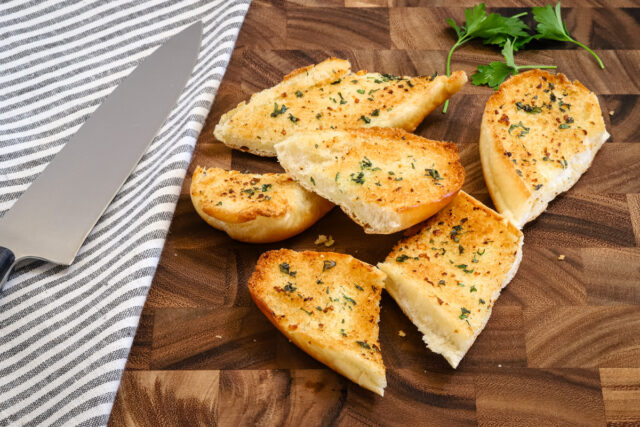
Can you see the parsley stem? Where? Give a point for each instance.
(588, 50)
(459, 43)
(543, 67)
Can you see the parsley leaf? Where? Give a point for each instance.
(492, 29)
(492, 74)
(552, 27)
(497, 72)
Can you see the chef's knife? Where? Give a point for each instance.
(53, 217)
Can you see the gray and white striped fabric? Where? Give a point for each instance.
(65, 332)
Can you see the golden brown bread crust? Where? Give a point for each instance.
(255, 208)
(328, 305)
(448, 275)
(539, 133)
(385, 179)
(329, 96)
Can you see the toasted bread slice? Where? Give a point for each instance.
(329, 96)
(386, 180)
(328, 305)
(539, 134)
(447, 277)
(255, 208)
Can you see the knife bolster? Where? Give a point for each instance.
(7, 261)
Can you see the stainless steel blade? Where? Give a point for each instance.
(56, 213)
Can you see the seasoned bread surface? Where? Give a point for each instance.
(329, 96)
(539, 134)
(255, 208)
(385, 179)
(328, 305)
(447, 277)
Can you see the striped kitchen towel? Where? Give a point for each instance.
(65, 332)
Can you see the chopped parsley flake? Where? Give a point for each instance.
(278, 110)
(360, 91)
(463, 267)
(299, 94)
(289, 287)
(365, 119)
(528, 108)
(328, 265)
(433, 173)
(523, 132)
(473, 289)
(364, 345)
(286, 269)
(349, 299)
(464, 313)
(358, 179)
(402, 258)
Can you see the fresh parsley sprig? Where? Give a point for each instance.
(552, 27)
(497, 72)
(492, 29)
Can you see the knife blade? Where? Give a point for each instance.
(53, 217)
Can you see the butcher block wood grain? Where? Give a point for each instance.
(563, 344)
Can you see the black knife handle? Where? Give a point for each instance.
(7, 259)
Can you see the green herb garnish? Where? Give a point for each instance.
(552, 27)
(496, 72)
(492, 29)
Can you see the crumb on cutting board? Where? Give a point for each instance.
(324, 240)
(401, 333)
(561, 257)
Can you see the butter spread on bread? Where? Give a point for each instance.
(539, 134)
(328, 305)
(329, 96)
(447, 277)
(385, 179)
(255, 208)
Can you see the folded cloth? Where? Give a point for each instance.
(65, 332)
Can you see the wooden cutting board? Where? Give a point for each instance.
(563, 344)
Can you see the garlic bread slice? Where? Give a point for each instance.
(329, 95)
(255, 208)
(540, 132)
(385, 179)
(447, 277)
(328, 305)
